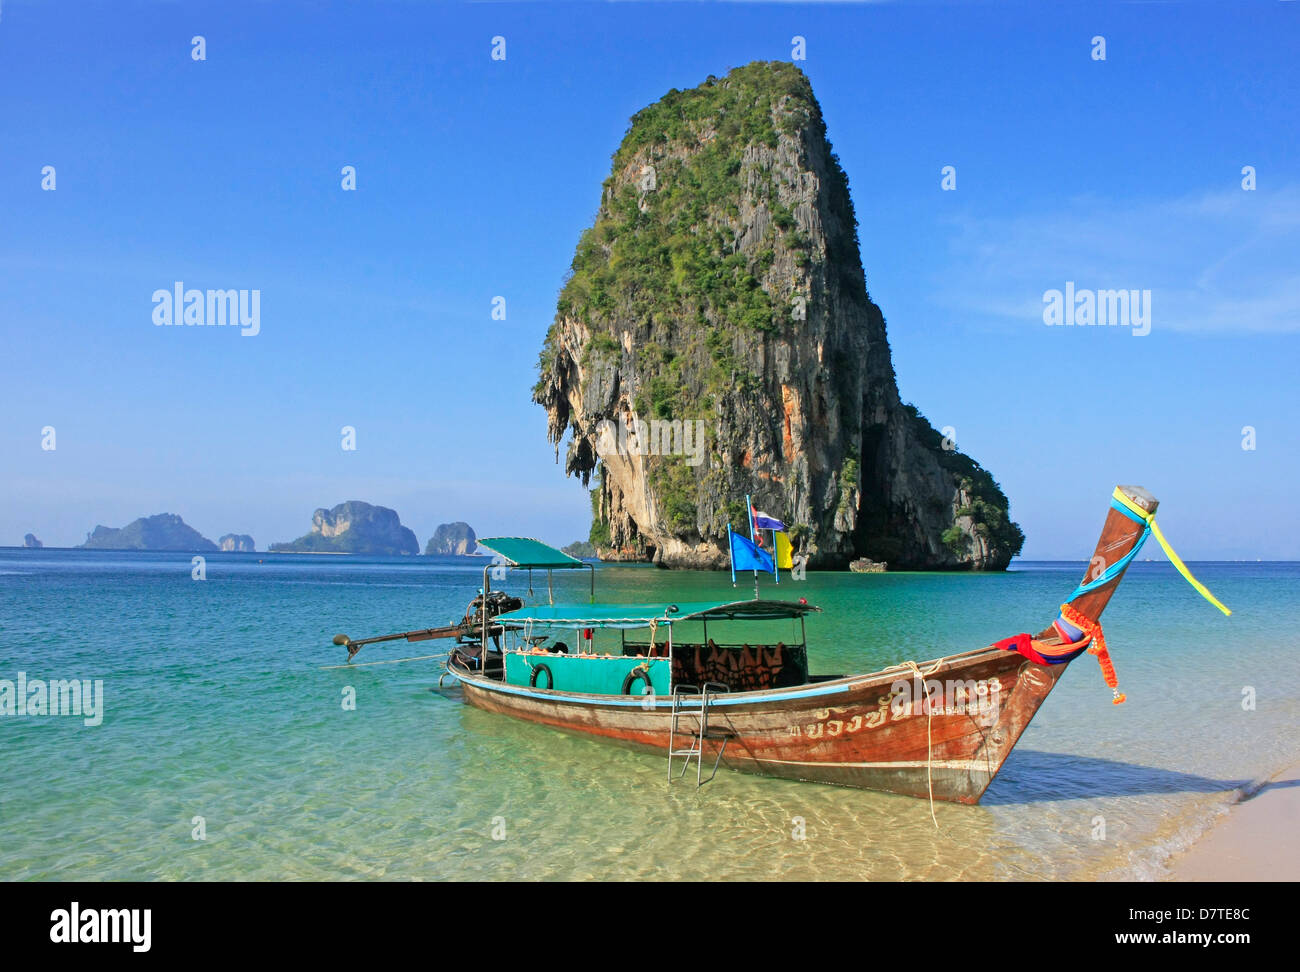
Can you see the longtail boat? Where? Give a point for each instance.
(940, 728)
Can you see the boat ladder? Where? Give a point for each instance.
(691, 702)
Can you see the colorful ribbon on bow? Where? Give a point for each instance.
(1090, 633)
(1148, 520)
(1092, 629)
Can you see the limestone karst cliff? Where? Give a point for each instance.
(237, 543)
(354, 527)
(452, 539)
(715, 338)
(164, 531)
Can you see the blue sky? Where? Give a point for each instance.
(475, 178)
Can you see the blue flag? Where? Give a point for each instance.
(746, 555)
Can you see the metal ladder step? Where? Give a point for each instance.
(693, 703)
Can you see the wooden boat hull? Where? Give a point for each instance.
(873, 731)
(858, 731)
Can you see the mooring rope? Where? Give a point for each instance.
(915, 669)
(929, 756)
(386, 661)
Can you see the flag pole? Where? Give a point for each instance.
(749, 509)
(776, 561)
(731, 556)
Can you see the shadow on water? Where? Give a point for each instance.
(1031, 776)
(1255, 789)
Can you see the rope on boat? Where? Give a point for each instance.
(929, 723)
(913, 667)
(386, 661)
(929, 746)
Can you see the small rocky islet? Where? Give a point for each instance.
(452, 540)
(163, 531)
(352, 527)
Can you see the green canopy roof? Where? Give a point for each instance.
(527, 552)
(640, 615)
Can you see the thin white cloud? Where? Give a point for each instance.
(1223, 262)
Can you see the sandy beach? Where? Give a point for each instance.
(1257, 840)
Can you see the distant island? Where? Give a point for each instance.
(581, 549)
(237, 543)
(452, 539)
(31, 543)
(164, 531)
(357, 528)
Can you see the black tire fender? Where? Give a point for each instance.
(641, 672)
(537, 670)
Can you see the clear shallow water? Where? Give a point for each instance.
(217, 706)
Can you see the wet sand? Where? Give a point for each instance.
(1257, 840)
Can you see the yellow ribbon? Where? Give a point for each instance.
(1150, 520)
(1119, 497)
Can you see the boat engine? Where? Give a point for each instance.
(496, 602)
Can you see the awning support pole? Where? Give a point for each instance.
(482, 655)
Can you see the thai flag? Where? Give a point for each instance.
(764, 522)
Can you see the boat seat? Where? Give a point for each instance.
(745, 668)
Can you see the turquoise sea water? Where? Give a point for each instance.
(217, 706)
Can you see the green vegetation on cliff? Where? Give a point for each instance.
(164, 531)
(667, 251)
(987, 505)
(354, 527)
(455, 539)
(721, 284)
(598, 536)
(582, 549)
